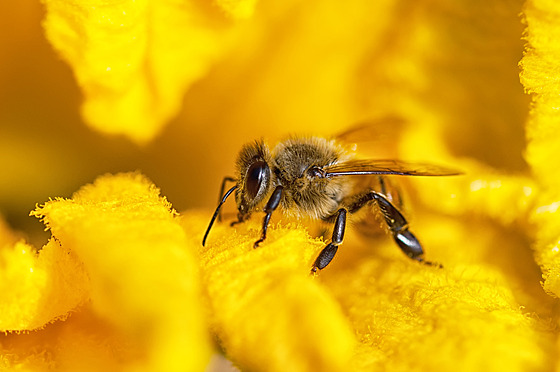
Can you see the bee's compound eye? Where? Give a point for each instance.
(255, 177)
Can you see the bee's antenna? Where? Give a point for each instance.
(217, 212)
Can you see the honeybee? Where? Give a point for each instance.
(321, 179)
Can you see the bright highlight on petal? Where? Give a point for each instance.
(481, 191)
(134, 59)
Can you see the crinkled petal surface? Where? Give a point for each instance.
(134, 59)
(267, 311)
(410, 317)
(541, 78)
(36, 289)
(144, 311)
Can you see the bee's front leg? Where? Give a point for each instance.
(327, 254)
(270, 207)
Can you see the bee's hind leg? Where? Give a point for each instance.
(327, 254)
(397, 224)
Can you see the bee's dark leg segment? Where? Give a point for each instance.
(270, 207)
(397, 224)
(394, 219)
(324, 258)
(396, 192)
(409, 244)
(222, 188)
(327, 254)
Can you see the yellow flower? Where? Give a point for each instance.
(123, 282)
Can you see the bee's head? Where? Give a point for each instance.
(253, 176)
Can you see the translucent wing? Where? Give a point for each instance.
(374, 138)
(386, 166)
(378, 130)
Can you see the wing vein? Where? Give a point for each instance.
(387, 167)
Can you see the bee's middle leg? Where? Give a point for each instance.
(327, 254)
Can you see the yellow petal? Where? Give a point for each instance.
(480, 192)
(541, 77)
(144, 280)
(38, 288)
(134, 59)
(267, 311)
(410, 317)
(81, 342)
